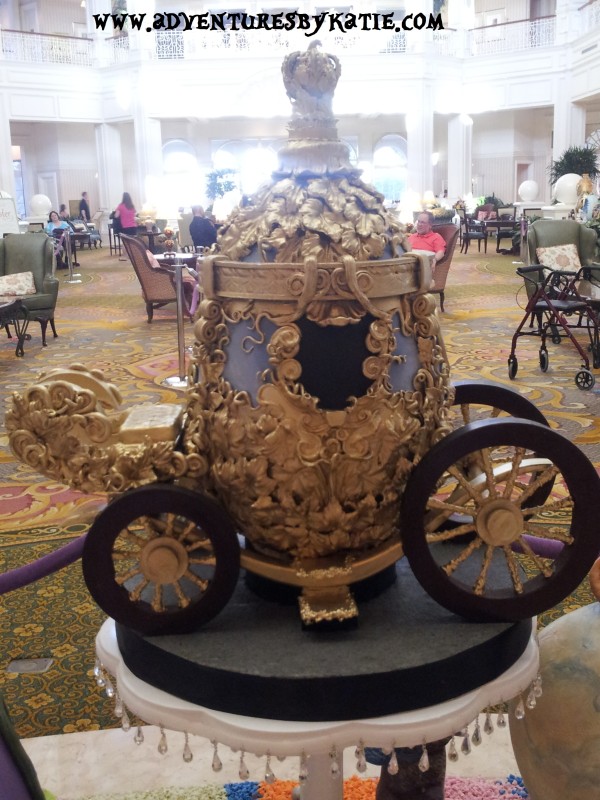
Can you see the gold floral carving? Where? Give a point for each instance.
(297, 484)
(63, 428)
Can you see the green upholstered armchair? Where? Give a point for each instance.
(33, 252)
(551, 232)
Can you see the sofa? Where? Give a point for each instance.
(33, 252)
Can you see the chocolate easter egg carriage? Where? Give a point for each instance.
(316, 445)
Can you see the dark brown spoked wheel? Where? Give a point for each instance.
(480, 400)
(486, 400)
(162, 559)
(486, 578)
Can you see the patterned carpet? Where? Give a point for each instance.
(102, 322)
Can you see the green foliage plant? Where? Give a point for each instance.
(575, 160)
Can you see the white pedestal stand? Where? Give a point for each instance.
(316, 740)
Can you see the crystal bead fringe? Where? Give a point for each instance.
(125, 721)
(303, 772)
(520, 709)
(488, 725)
(452, 751)
(217, 764)
(269, 774)
(162, 743)
(501, 720)
(393, 767)
(187, 750)
(244, 773)
(476, 737)
(139, 735)
(466, 743)
(424, 760)
(361, 761)
(118, 706)
(335, 767)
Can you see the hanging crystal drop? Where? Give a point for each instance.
(303, 772)
(537, 686)
(361, 761)
(501, 720)
(217, 764)
(476, 737)
(162, 744)
(100, 682)
(334, 767)
(269, 774)
(281, 758)
(244, 772)
(139, 736)
(488, 725)
(452, 751)
(110, 689)
(125, 721)
(520, 709)
(466, 745)
(97, 668)
(424, 760)
(187, 750)
(118, 706)
(393, 767)
(531, 698)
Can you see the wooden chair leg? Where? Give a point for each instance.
(442, 300)
(53, 326)
(149, 311)
(43, 326)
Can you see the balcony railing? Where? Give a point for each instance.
(41, 48)
(511, 37)
(590, 15)
(196, 45)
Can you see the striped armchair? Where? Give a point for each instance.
(158, 286)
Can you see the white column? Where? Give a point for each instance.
(7, 181)
(460, 137)
(110, 165)
(148, 152)
(569, 118)
(419, 136)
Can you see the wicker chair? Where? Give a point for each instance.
(158, 286)
(449, 234)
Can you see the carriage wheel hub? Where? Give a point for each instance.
(499, 522)
(164, 560)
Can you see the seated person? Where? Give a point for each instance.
(63, 213)
(53, 228)
(202, 230)
(424, 238)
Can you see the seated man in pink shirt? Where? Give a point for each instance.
(426, 239)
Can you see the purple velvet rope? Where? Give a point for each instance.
(545, 548)
(46, 565)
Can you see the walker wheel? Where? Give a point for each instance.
(497, 574)
(513, 366)
(161, 559)
(544, 360)
(584, 379)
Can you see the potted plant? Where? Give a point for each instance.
(574, 160)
